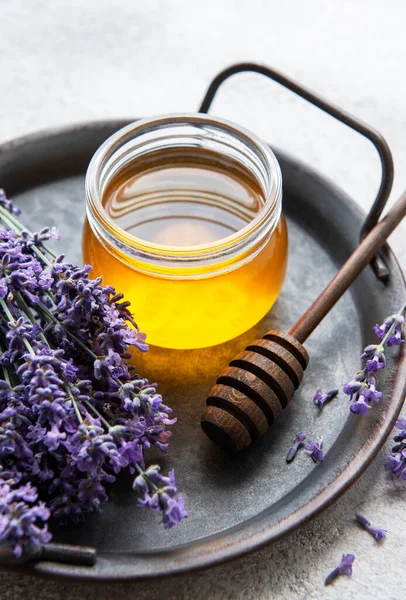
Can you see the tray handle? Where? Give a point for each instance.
(381, 146)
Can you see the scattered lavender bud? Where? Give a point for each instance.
(321, 399)
(315, 450)
(344, 568)
(362, 390)
(377, 532)
(300, 438)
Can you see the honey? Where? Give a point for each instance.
(182, 198)
(181, 231)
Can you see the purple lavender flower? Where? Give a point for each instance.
(8, 205)
(22, 518)
(360, 407)
(375, 363)
(400, 424)
(344, 568)
(37, 239)
(396, 462)
(394, 323)
(362, 390)
(299, 439)
(321, 399)
(159, 494)
(90, 449)
(174, 512)
(381, 330)
(377, 532)
(315, 450)
(354, 386)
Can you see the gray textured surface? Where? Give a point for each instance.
(71, 61)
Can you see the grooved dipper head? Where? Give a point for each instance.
(252, 391)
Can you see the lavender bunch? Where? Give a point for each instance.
(73, 412)
(362, 390)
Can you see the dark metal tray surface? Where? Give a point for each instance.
(236, 503)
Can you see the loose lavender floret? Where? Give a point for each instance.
(344, 568)
(315, 450)
(73, 411)
(321, 399)
(299, 439)
(396, 462)
(377, 532)
(362, 390)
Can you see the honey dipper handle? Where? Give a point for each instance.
(349, 271)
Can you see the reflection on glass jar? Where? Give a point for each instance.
(184, 218)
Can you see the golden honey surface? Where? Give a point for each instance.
(185, 199)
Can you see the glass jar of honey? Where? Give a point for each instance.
(184, 217)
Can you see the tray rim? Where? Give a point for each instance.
(206, 552)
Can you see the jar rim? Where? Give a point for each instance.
(272, 188)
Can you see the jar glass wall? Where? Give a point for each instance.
(184, 217)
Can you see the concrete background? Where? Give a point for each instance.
(68, 60)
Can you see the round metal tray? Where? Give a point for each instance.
(235, 503)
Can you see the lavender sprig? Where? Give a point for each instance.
(377, 532)
(73, 411)
(344, 568)
(362, 390)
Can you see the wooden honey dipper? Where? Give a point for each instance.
(260, 381)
